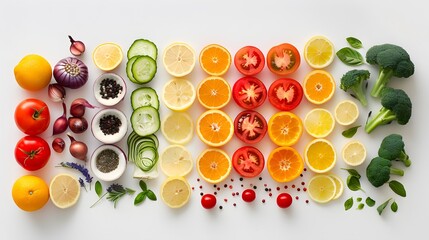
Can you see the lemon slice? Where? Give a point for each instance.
(107, 56)
(179, 94)
(319, 122)
(354, 153)
(176, 161)
(64, 190)
(178, 128)
(179, 59)
(339, 186)
(319, 52)
(320, 155)
(346, 112)
(322, 188)
(175, 192)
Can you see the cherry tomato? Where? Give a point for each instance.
(249, 60)
(248, 161)
(32, 116)
(283, 59)
(250, 126)
(208, 201)
(249, 92)
(248, 195)
(285, 94)
(32, 152)
(284, 200)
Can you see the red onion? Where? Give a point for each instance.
(60, 125)
(78, 124)
(77, 108)
(56, 92)
(58, 145)
(71, 72)
(78, 149)
(76, 47)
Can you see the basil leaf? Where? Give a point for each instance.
(383, 206)
(348, 204)
(398, 188)
(143, 185)
(360, 206)
(350, 56)
(394, 207)
(139, 198)
(349, 133)
(370, 202)
(352, 172)
(98, 188)
(353, 183)
(354, 42)
(151, 195)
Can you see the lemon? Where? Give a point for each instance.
(320, 155)
(175, 192)
(177, 128)
(339, 186)
(346, 112)
(354, 153)
(33, 72)
(179, 59)
(319, 52)
(107, 56)
(319, 122)
(64, 190)
(322, 188)
(178, 94)
(176, 161)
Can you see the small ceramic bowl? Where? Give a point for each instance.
(103, 167)
(106, 128)
(110, 80)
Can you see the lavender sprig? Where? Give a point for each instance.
(82, 169)
(82, 184)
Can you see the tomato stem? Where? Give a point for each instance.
(31, 154)
(38, 112)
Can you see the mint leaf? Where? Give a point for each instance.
(348, 204)
(350, 56)
(398, 188)
(349, 133)
(354, 42)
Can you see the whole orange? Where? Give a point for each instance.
(33, 72)
(30, 193)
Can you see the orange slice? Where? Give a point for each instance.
(214, 165)
(215, 128)
(215, 60)
(285, 128)
(214, 92)
(320, 155)
(284, 164)
(319, 86)
(107, 56)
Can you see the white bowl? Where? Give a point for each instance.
(114, 174)
(109, 138)
(110, 101)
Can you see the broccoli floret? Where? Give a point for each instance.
(393, 148)
(353, 81)
(379, 170)
(392, 60)
(396, 106)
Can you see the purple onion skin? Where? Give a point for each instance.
(78, 124)
(78, 149)
(60, 124)
(58, 145)
(71, 73)
(77, 108)
(76, 47)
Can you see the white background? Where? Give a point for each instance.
(42, 27)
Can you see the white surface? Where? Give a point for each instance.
(42, 27)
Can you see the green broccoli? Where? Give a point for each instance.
(396, 105)
(393, 148)
(354, 81)
(392, 60)
(379, 170)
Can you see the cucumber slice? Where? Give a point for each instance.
(144, 96)
(143, 69)
(145, 120)
(143, 47)
(129, 69)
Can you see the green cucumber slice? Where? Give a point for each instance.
(129, 69)
(143, 69)
(143, 47)
(145, 120)
(144, 96)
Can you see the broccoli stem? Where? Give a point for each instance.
(405, 159)
(360, 95)
(396, 171)
(383, 117)
(383, 78)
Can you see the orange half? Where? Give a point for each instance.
(319, 86)
(214, 93)
(285, 128)
(215, 60)
(284, 164)
(214, 165)
(215, 128)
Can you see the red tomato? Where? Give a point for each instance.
(32, 116)
(249, 92)
(284, 200)
(248, 161)
(285, 94)
(283, 59)
(250, 126)
(208, 201)
(32, 152)
(249, 60)
(248, 195)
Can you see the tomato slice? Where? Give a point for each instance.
(248, 161)
(249, 92)
(249, 60)
(250, 126)
(285, 94)
(283, 59)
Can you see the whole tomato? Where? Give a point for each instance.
(32, 152)
(32, 116)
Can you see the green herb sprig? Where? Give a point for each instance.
(145, 193)
(114, 193)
